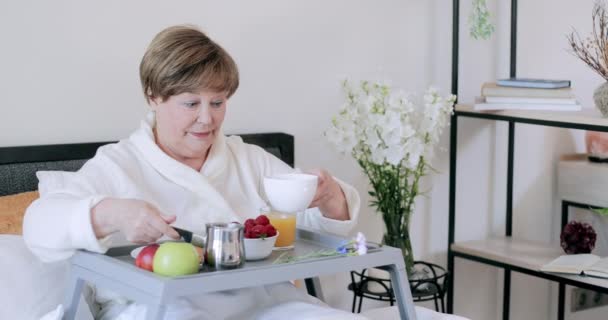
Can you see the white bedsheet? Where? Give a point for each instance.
(391, 313)
(280, 312)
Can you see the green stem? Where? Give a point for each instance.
(394, 191)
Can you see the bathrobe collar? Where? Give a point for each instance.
(183, 175)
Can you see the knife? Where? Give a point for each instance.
(191, 237)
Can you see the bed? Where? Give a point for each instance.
(31, 288)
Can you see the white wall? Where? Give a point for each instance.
(69, 73)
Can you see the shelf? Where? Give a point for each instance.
(523, 256)
(513, 255)
(587, 119)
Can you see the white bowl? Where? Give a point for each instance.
(292, 192)
(260, 248)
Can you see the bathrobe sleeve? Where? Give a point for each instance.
(59, 222)
(312, 217)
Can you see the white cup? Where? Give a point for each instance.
(291, 192)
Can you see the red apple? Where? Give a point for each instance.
(145, 258)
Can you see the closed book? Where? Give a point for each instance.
(581, 264)
(518, 100)
(493, 90)
(534, 83)
(526, 106)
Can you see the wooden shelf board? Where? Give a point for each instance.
(525, 254)
(590, 118)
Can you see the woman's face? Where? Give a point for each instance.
(188, 123)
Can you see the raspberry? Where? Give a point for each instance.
(262, 220)
(270, 231)
(256, 231)
(249, 223)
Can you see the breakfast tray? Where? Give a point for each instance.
(116, 271)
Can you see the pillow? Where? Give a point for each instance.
(12, 210)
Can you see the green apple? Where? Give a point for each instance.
(176, 259)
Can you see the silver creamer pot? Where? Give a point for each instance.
(225, 247)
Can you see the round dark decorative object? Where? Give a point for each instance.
(578, 237)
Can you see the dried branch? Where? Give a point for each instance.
(594, 49)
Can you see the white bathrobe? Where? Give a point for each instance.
(228, 188)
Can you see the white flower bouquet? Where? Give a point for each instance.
(392, 136)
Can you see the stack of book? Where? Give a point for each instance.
(527, 94)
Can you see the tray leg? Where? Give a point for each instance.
(155, 311)
(401, 289)
(73, 292)
(313, 286)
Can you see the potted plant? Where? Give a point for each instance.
(392, 136)
(592, 51)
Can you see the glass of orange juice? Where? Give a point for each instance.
(285, 223)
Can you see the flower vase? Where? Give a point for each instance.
(402, 243)
(600, 96)
(405, 245)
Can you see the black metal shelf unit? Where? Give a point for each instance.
(511, 120)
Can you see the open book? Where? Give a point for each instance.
(583, 264)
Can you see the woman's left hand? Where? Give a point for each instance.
(329, 197)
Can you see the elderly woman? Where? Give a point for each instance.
(178, 169)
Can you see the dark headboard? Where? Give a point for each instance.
(279, 144)
(18, 165)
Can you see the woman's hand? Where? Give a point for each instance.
(138, 220)
(329, 197)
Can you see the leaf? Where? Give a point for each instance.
(321, 253)
(601, 211)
